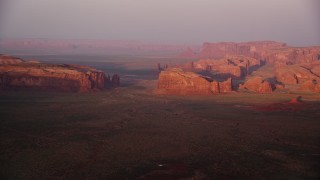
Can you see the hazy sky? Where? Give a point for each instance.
(296, 22)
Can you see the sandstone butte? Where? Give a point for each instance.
(16, 73)
(178, 82)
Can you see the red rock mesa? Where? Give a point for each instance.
(176, 81)
(19, 74)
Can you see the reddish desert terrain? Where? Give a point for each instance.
(228, 111)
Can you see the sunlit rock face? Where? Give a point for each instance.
(257, 84)
(227, 67)
(268, 51)
(5, 59)
(292, 55)
(310, 85)
(298, 73)
(178, 82)
(225, 86)
(297, 67)
(305, 75)
(25, 75)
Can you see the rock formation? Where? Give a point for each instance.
(257, 84)
(230, 66)
(24, 75)
(161, 68)
(178, 82)
(4, 60)
(115, 80)
(298, 73)
(292, 55)
(296, 68)
(296, 100)
(269, 51)
(310, 85)
(225, 86)
(112, 81)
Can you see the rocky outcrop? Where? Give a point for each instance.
(51, 77)
(112, 81)
(225, 86)
(230, 66)
(293, 55)
(178, 82)
(310, 85)
(269, 51)
(4, 60)
(297, 73)
(257, 84)
(295, 68)
(296, 100)
(306, 76)
(161, 68)
(115, 80)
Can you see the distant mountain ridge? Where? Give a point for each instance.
(36, 46)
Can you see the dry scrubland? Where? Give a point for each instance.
(130, 133)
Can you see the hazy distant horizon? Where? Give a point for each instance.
(140, 41)
(295, 22)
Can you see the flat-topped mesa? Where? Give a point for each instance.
(249, 49)
(50, 77)
(178, 82)
(293, 55)
(229, 66)
(269, 51)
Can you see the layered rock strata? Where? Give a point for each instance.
(257, 84)
(230, 66)
(24, 75)
(178, 82)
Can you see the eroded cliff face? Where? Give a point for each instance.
(249, 49)
(228, 67)
(306, 76)
(51, 77)
(291, 55)
(297, 73)
(258, 85)
(295, 68)
(269, 51)
(178, 82)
